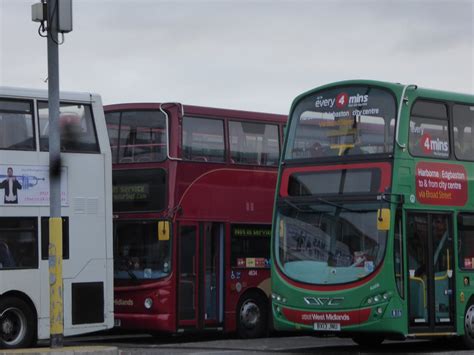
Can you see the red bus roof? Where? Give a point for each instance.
(200, 111)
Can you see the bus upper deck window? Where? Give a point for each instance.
(429, 132)
(463, 122)
(253, 143)
(203, 139)
(77, 128)
(16, 125)
(342, 122)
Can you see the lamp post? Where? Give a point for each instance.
(58, 16)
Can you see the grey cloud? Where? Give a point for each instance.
(254, 55)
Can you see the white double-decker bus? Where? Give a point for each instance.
(86, 208)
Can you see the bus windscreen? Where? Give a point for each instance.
(329, 243)
(137, 136)
(343, 121)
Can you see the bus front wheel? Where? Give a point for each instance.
(252, 316)
(17, 323)
(469, 327)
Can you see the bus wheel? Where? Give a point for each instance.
(252, 316)
(17, 323)
(469, 327)
(368, 340)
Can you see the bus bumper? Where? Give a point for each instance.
(367, 319)
(146, 322)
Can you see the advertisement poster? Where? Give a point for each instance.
(441, 184)
(28, 185)
(429, 138)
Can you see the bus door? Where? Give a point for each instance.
(201, 264)
(188, 275)
(430, 272)
(212, 285)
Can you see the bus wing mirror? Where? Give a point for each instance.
(383, 219)
(163, 230)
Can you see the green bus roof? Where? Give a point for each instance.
(397, 88)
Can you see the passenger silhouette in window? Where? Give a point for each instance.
(6, 257)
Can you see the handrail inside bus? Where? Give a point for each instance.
(167, 127)
(402, 100)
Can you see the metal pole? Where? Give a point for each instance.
(56, 312)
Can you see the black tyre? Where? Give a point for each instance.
(252, 316)
(17, 323)
(468, 338)
(369, 340)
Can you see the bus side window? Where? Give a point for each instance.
(203, 139)
(45, 238)
(16, 125)
(463, 122)
(398, 253)
(78, 132)
(429, 135)
(466, 241)
(113, 128)
(250, 246)
(18, 243)
(253, 143)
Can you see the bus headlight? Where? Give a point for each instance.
(148, 303)
(383, 297)
(278, 298)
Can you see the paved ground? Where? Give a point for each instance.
(283, 344)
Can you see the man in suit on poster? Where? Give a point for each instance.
(11, 187)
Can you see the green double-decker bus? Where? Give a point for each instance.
(373, 228)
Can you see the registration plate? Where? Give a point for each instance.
(334, 327)
(117, 323)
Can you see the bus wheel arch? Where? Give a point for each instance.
(18, 320)
(252, 314)
(468, 337)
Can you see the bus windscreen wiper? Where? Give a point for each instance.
(131, 274)
(291, 204)
(126, 266)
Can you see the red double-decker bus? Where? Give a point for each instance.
(193, 197)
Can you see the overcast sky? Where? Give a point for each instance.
(251, 55)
